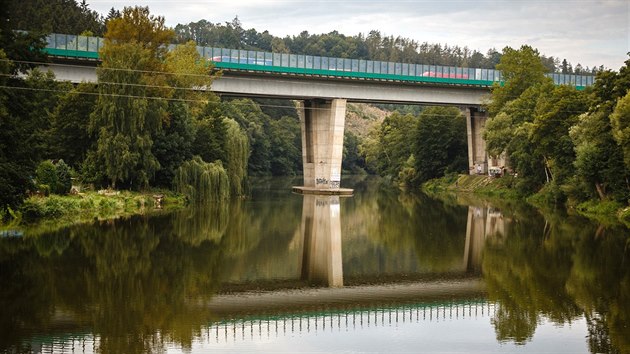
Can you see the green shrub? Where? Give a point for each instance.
(31, 210)
(64, 180)
(47, 174)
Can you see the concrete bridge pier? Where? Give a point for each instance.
(322, 123)
(477, 155)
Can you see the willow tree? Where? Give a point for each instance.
(130, 109)
(237, 155)
(201, 181)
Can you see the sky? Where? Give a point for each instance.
(589, 32)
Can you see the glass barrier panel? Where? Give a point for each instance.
(285, 60)
(82, 43)
(292, 60)
(308, 62)
(201, 51)
(277, 59)
(232, 55)
(268, 59)
(438, 72)
(92, 44)
(397, 68)
(332, 63)
(369, 66)
(339, 63)
(60, 41)
(405, 70)
(347, 64)
(300, 61)
(377, 67)
(354, 67)
(362, 66)
(383, 67)
(426, 70)
(391, 68)
(325, 63)
(490, 75)
(50, 41)
(317, 63)
(72, 42)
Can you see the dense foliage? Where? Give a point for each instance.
(567, 143)
(373, 46)
(414, 149)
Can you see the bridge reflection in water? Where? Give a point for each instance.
(253, 316)
(254, 329)
(322, 240)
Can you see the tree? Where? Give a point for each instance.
(556, 112)
(128, 114)
(521, 69)
(68, 135)
(620, 120)
(389, 145)
(440, 144)
(236, 156)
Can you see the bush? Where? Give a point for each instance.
(47, 174)
(31, 210)
(64, 180)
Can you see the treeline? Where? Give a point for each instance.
(565, 144)
(70, 16)
(373, 46)
(140, 126)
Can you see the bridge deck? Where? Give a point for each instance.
(86, 48)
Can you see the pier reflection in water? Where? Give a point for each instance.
(381, 271)
(321, 230)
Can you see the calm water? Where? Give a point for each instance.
(382, 271)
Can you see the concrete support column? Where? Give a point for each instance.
(321, 227)
(322, 125)
(477, 154)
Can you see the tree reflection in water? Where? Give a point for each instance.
(560, 270)
(141, 284)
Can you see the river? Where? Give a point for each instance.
(381, 271)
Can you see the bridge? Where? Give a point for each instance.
(324, 85)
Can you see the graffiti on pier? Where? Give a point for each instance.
(320, 180)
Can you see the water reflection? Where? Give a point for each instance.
(173, 282)
(321, 230)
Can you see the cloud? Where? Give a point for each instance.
(586, 31)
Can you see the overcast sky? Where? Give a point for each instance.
(589, 32)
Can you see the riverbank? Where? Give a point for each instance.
(45, 213)
(604, 212)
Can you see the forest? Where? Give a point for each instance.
(141, 126)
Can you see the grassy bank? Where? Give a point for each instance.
(605, 212)
(57, 211)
